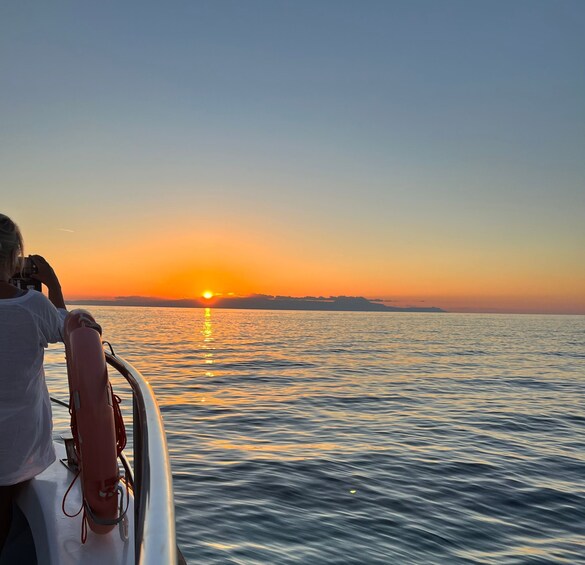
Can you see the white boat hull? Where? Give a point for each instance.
(57, 538)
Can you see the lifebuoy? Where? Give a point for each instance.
(92, 407)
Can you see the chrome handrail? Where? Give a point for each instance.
(154, 509)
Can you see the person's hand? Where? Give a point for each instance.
(45, 272)
(47, 276)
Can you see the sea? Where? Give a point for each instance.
(363, 438)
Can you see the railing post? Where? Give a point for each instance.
(137, 449)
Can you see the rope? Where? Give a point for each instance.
(118, 423)
(65, 498)
(88, 511)
(115, 521)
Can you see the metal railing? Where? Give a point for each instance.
(154, 508)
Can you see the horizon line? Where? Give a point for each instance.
(200, 302)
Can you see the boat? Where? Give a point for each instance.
(48, 525)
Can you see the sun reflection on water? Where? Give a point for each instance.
(208, 347)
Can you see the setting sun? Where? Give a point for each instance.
(207, 294)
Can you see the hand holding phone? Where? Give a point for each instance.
(25, 278)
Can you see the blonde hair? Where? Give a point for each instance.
(11, 248)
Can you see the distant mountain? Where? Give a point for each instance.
(263, 302)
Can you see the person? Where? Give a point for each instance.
(29, 321)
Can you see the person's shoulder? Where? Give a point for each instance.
(36, 300)
(35, 296)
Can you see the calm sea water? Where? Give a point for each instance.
(365, 438)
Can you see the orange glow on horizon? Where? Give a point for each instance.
(188, 262)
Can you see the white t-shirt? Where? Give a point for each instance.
(28, 323)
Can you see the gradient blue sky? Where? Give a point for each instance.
(413, 150)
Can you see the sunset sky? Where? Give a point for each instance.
(424, 152)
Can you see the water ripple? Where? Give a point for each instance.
(365, 438)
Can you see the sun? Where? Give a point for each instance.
(207, 294)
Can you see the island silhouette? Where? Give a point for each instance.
(263, 302)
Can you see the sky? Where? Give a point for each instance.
(423, 152)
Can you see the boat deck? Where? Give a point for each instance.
(42, 533)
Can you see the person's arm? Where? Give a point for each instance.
(47, 276)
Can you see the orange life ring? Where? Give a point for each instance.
(92, 420)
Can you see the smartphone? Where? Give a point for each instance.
(23, 278)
